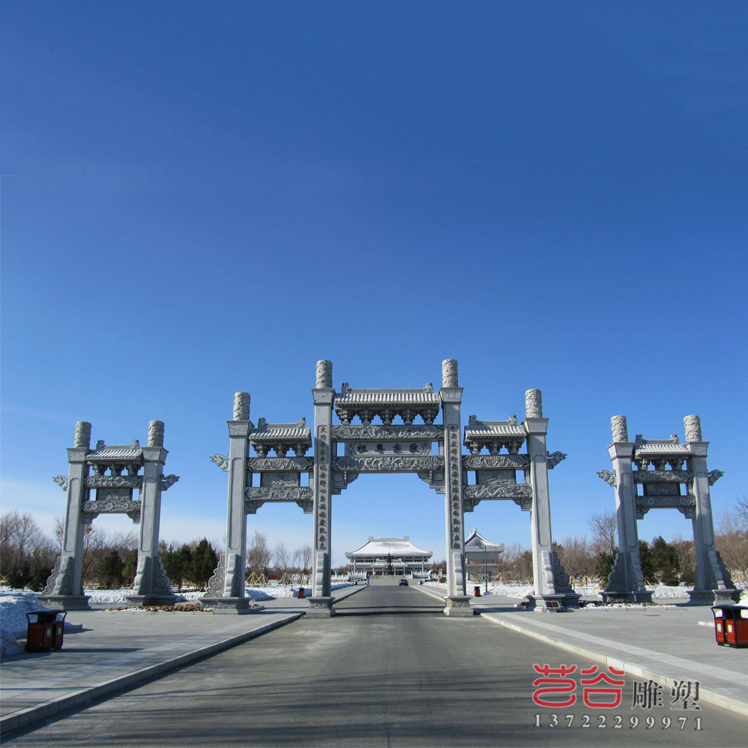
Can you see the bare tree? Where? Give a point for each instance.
(577, 557)
(306, 558)
(280, 558)
(604, 533)
(258, 554)
(732, 543)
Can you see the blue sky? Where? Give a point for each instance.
(211, 196)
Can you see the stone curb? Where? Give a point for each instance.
(83, 696)
(705, 694)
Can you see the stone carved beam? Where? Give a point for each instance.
(388, 464)
(498, 491)
(495, 462)
(279, 493)
(279, 464)
(398, 431)
(662, 476)
(114, 481)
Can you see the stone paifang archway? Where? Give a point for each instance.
(387, 447)
(116, 477)
(657, 466)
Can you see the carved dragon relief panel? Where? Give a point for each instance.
(662, 476)
(114, 481)
(397, 432)
(388, 464)
(685, 504)
(279, 492)
(279, 464)
(115, 505)
(503, 490)
(495, 462)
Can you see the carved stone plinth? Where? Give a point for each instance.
(627, 597)
(65, 602)
(458, 605)
(553, 603)
(229, 605)
(136, 600)
(714, 597)
(320, 607)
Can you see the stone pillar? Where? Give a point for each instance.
(226, 587)
(64, 587)
(151, 585)
(320, 603)
(456, 603)
(552, 588)
(625, 581)
(713, 583)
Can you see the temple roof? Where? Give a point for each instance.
(349, 397)
(120, 452)
(273, 432)
(476, 542)
(392, 546)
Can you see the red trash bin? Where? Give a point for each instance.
(731, 625)
(45, 630)
(476, 590)
(719, 625)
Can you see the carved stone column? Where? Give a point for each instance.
(151, 585)
(552, 588)
(320, 603)
(713, 582)
(457, 603)
(226, 587)
(625, 581)
(65, 586)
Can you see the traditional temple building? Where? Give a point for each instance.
(481, 557)
(389, 556)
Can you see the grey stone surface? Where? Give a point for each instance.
(388, 670)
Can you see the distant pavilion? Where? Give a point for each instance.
(481, 557)
(389, 556)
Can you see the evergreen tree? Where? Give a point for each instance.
(647, 562)
(177, 563)
(131, 567)
(110, 571)
(203, 564)
(665, 560)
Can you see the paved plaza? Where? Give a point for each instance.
(388, 669)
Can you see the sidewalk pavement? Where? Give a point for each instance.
(679, 646)
(118, 649)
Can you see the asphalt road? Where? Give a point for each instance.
(389, 670)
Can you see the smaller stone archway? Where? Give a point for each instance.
(388, 447)
(659, 471)
(113, 494)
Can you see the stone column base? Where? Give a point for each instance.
(458, 605)
(65, 602)
(320, 607)
(627, 597)
(136, 600)
(229, 605)
(714, 597)
(558, 603)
